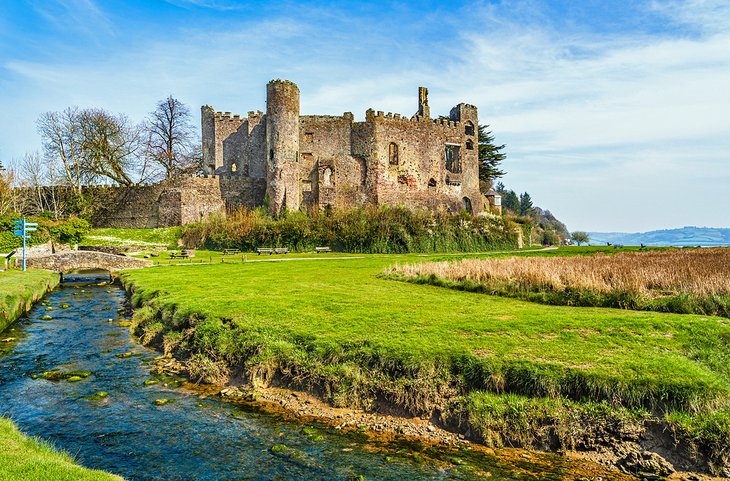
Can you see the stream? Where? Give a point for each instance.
(192, 437)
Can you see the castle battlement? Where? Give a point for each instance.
(330, 161)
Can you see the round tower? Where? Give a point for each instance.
(282, 145)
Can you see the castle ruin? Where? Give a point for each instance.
(290, 161)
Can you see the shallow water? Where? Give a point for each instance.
(191, 438)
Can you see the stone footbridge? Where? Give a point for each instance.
(77, 260)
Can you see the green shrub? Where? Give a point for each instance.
(71, 231)
(363, 230)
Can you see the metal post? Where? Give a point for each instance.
(23, 243)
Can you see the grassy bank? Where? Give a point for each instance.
(682, 281)
(27, 459)
(20, 290)
(335, 328)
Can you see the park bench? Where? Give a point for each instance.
(281, 250)
(265, 250)
(185, 253)
(322, 249)
(230, 252)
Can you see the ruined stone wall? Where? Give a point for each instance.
(409, 166)
(331, 161)
(239, 191)
(177, 201)
(329, 174)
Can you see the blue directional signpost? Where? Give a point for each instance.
(22, 229)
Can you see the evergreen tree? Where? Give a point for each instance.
(490, 156)
(525, 204)
(510, 201)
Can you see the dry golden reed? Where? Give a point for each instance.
(701, 272)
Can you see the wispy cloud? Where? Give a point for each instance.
(221, 5)
(79, 16)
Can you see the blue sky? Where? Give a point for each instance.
(616, 115)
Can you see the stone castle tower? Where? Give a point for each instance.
(293, 161)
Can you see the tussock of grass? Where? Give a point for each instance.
(513, 420)
(681, 281)
(27, 459)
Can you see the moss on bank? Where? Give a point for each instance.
(29, 459)
(20, 290)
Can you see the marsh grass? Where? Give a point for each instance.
(680, 281)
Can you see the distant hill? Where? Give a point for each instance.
(685, 236)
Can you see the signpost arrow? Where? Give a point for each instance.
(21, 229)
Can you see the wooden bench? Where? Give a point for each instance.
(322, 249)
(281, 250)
(185, 253)
(230, 252)
(265, 250)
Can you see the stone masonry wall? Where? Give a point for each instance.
(322, 161)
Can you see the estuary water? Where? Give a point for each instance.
(192, 437)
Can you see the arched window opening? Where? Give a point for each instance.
(467, 204)
(469, 128)
(234, 168)
(393, 153)
(469, 145)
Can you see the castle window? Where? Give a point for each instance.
(432, 182)
(271, 154)
(327, 177)
(467, 204)
(469, 145)
(308, 137)
(393, 153)
(306, 186)
(452, 158)
(469, 128)
(233, 168)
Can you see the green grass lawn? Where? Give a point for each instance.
(637, 358)
(27, 459)
(159, 237)
(19, 290)
(336, 327)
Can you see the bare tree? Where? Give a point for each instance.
(8, 195)
(170, 138)
(110, 146)
(63, 141)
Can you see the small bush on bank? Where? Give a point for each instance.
(365, 230)
(70, 231)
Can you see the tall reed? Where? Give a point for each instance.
(686, 280)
